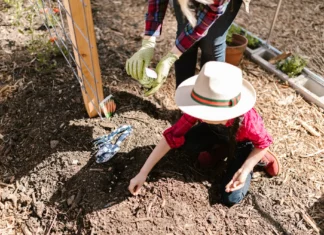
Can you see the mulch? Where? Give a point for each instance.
(50, 183)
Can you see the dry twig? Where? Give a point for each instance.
(50, 228)
(6, 185)
(150, 206)
(309, 128)
(310, 222)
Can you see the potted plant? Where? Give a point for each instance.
(236, 45)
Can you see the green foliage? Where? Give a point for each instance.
(18, 10)
(253, 42)
(292, 66)
(46, 53)
(232, 30)
(39, 45)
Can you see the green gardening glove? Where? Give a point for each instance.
(162, 70)
(136, 65)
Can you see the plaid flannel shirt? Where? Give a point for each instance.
(206, 16)
(251, 129)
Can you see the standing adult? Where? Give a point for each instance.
(201, 24)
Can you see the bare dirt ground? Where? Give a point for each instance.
(50, 183)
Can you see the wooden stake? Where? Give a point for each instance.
(277, 58)
(85, 52)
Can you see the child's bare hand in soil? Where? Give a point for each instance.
(238, 180)
(136, 183)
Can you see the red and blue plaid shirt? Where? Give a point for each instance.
(206, 16)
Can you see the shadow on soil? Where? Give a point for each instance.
(99, 186)
(42, 111)
(317, 213)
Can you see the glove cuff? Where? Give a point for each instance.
(148, 43)
(172, 58)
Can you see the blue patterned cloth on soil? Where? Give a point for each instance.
(106, 149)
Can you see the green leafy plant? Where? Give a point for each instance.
(46, 52)
(232, 30)
(253, 42)
(18, 10)
(292, 66)
(44, 49)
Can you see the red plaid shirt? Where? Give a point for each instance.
(206, 16)
(252, 129)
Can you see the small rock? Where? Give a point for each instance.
(54, 143)
(4, 196)
(12, 179)
(75, 162)
(222, 212)
(211, 219)
(25, 230)
(30, 191)
(43, 190)
(107, 125)
(70, 200)
(39, 208)
(78, 100)
(77, 200)
(22, 188)
(25, 199)
(256, 175)
(1, 137)
(207, 184)
(14, 200)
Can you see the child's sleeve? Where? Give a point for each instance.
(175, 134)
(257, 132)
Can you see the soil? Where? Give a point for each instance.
(51, 184)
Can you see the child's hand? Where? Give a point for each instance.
(238, 180)
(136, 183)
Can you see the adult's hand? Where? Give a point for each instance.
(136, 65)
(162, 70)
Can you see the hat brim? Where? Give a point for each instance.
(189, 106)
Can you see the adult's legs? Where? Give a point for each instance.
(213, 45)
(185, 67)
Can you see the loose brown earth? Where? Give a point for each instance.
(52, 185)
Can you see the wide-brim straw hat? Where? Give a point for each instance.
(217, 93)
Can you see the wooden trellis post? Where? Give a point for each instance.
(82, 35)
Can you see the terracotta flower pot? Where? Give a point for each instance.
(234, 52)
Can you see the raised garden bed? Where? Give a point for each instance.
(308, 84)
(310, 87)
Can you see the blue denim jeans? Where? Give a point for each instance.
(213, 45)
(203, 137)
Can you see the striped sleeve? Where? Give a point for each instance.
(154, 17)
(206, 16)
